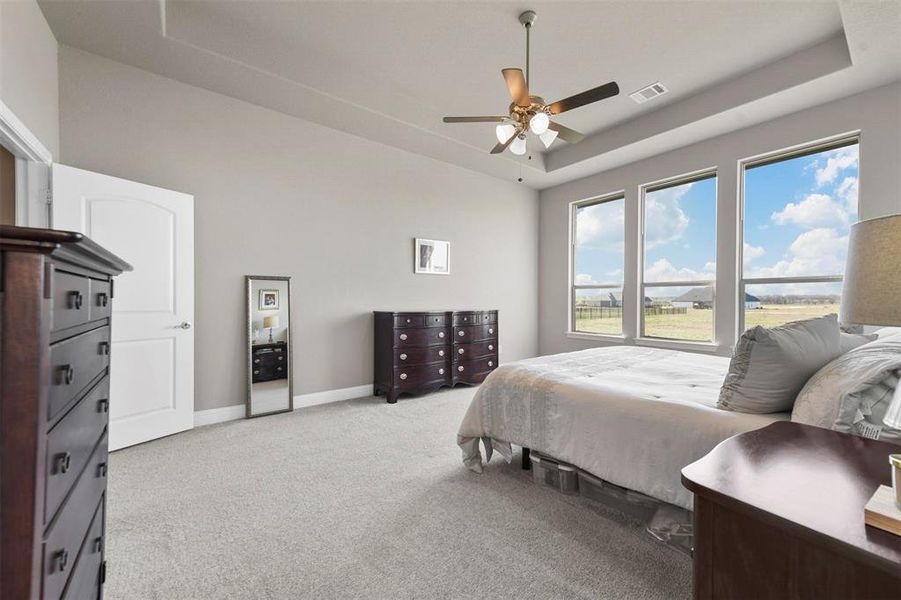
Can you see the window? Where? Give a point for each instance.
(597, 262)
(679, 265)
(797, 212)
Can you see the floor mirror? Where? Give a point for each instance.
(270, 386)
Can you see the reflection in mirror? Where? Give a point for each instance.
(269, 373)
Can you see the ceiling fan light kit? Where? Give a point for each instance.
(530, 113)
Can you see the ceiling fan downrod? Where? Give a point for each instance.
(527, 19)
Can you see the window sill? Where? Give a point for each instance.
(709, 347)
(596, 337)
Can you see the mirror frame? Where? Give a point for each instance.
(248, 282)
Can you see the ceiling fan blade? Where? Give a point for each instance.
(501, 147)
(474, 119)
(607, 90)
(566, 134)
(516, 83)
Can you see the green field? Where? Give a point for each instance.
(697, 324)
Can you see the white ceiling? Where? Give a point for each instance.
(389, 71)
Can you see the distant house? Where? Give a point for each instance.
(615, 300)
(702, 297)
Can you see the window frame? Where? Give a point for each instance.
(842, 140)
(643, 190)
(573, 287)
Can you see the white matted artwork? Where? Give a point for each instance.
(432, 257)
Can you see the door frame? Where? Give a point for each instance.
(33, 160)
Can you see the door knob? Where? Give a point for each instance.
(184, 325)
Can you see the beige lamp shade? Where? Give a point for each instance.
(271, 321)
(871, 293)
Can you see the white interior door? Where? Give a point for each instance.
(152, 368)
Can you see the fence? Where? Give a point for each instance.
(608, 312)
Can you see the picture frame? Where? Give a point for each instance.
(431, 257)
(269, 300)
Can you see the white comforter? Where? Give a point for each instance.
(632, 416)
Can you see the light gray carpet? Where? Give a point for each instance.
(361, 499)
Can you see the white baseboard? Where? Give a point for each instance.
(238, 411)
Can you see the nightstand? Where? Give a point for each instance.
(778, 513)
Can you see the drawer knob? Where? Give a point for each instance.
(465, 318)
(441, 353)
(441, 334)
(461, 333)
(103, 405)
(278, 369)
(256, 372)
(403, 375)
(491, 346)
(62, 462)
(101, 470)
(461, 351)
(102, 299)
(256, 361)
(68, 374)
(441, 371)
(281, 358)
(490, 363)
(491, 330)
(62, 559)
(408, 320)
(104, 348)
(403, 357)
(76, 299)
(403, 336)
(460, 368)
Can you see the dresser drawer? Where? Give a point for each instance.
(74, 363)
(418, 356)
(70, 442)
(85, 580)
(435, 320)
(486, 316)
(269, 359)
(101, 304)
(464, 351)
(409, 321)
(416, 375)
(63, 541)
(475, 333)
(479, 365)
(404, 338)
(71, 300)
(466, 318)
(269, 373)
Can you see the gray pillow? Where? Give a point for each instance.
(771, 365)
(850, 341)
(853, 392)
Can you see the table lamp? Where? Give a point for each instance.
(871, 293)
(270, 322)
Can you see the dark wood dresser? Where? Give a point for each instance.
(55, 308)
(779, 515)
(270, 361)
(417, 352)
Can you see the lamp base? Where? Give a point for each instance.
(270, 335)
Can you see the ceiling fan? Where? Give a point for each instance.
(530, 113)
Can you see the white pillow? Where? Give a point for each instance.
(852, 392)
(850, 341)
(771, 365)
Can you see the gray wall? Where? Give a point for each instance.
(28, 70)
(277, 195)
(876, 113)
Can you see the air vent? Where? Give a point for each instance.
(649, 92)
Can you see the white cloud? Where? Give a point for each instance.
(752, 252)
(601, 226)
(615, 273)
(665, 221)
(584, 279)
(847, 191)
(664, 270)
(816, 210)
(836, 162)
(815, 252)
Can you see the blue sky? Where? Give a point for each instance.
(797, 216)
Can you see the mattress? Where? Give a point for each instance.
(632, 416)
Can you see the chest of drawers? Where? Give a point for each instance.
(270, 361)
(55, 311)
(417, 352)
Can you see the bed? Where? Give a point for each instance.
(632, 416)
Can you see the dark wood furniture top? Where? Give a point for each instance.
(418, 352)
(779, 513)
(269, 361)
(56, 293)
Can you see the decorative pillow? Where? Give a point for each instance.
(771, 365)
(850, 341)
(853, 392)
